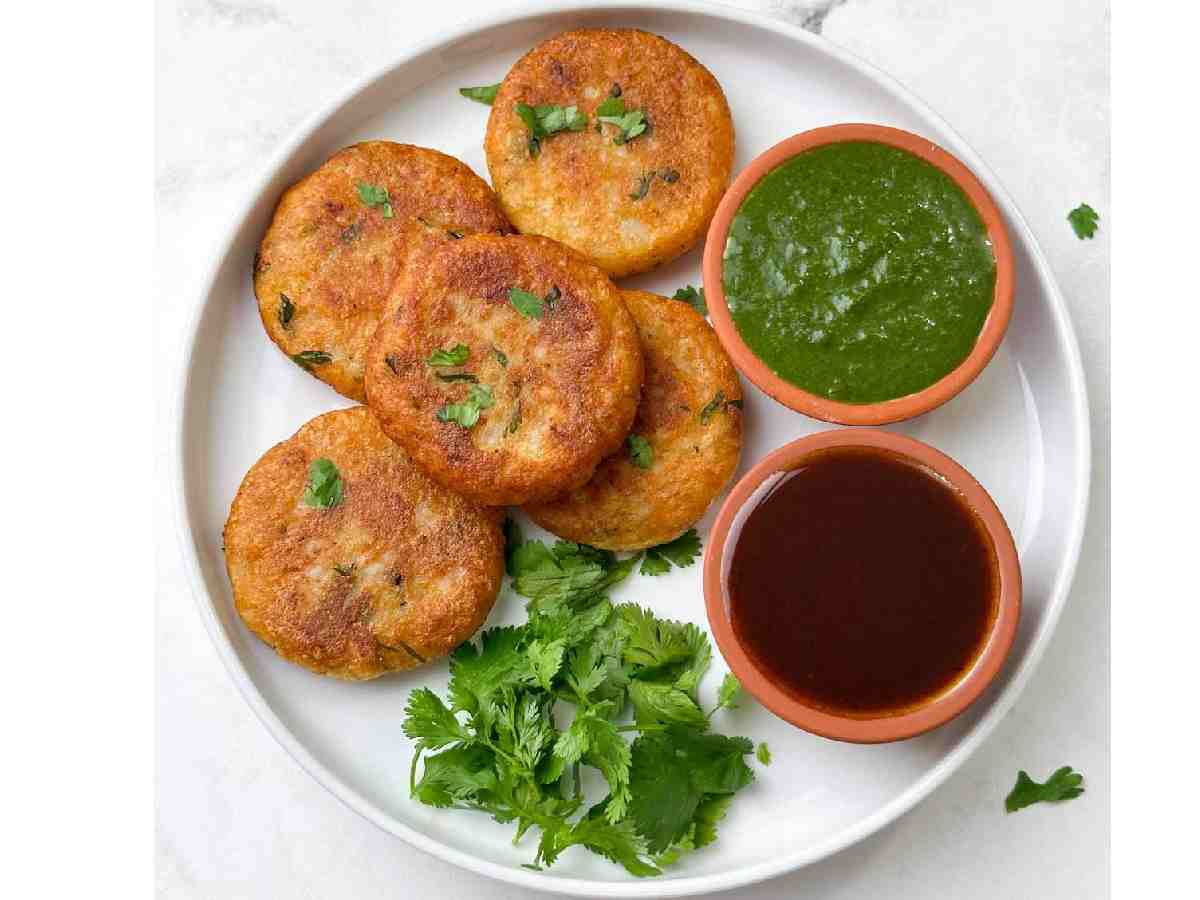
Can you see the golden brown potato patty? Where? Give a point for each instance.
(399, 572)
(628, 207)
(691, 415)
(328, 261)
(554, 388)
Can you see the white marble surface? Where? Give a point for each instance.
(1025, 81)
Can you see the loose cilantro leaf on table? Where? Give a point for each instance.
(496, 748)
(484, 93)
(373, 196)
(1084, 220)
(693, 297)
(455, 356)
(763, 753)
(629, 123)
(467, 412)
(548, 119)
(324, 488)
(640, 451)
(682, 552)
(1064, 784)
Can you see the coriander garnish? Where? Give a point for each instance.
(763, 753)
(531, 306)
(717, 402)
(286, 310)
(306, 359)
(694, 297)
(455, 356)
(324, 488)
(349, 233)
(643, 186)
(629, 123)
(500, 356)
(455, 233)
(547, 119)
(484, 93)
(640, 451)
(456, 376)
(344, 571)
(1064, 784)
(1084, 220)
(515, 422)
(681, 552)
(466, 413)
(374, 196)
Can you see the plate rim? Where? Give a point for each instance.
(669, 887)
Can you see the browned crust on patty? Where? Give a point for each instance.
(336, 258)
(696, 442)
(421, 565)
(566, 397)
(579, 189)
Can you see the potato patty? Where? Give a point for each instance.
(508, 369)
(691, 416)
(335, 246)
(627, 206)
(396, 573)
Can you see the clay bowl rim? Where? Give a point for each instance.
(906, 724)
(885, 411)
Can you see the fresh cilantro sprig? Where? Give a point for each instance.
(466, 413)
(640, 451)
(373, 195)
(455, 356)
(548, 119)
(1084, 220)
(324, 487)
(681, 552)
(494, 746)
(694, 297)
(484, 93)
(1064, 784)
(629, 123)
(531, 306)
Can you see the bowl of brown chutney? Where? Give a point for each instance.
(862, 585)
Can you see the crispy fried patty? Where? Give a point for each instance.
(399, 572)
(627, 207)
(563, 379)
(328, 261)
(690, 414)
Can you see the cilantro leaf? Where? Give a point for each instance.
(484, 93)
(643, 186)
(306, 359)
(619, 843)
(655, 703)
(682, 552)
(640, 451)
(527, 304)
(545, 659)
(466, 413)
(1064, 784)
(594, 736)
(478, 676)
(500, 356)
(548, 119)
(1084, 220)
(629, 123)
(324, 488)
(763, 752)
(460, 773)
(728, 693)
(429, 722)
(468, 377)
(713, 405)
(373, 196)
(287, 309)
(455, 356)
(694, 297)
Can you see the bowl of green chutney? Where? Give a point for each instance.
(859, 274)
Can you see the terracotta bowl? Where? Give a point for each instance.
(821, 407)
(936, 711)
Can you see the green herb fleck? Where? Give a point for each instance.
(710, 408)
(349, 233)
(629, 123)
(548, 119)
(643, 186)
(455, 356)
(344, 571)
(527, 304)
(456, 234)
(681, 552)
(457, 376)
(374, 196)
(515, 422)
(1084, 220)
(552, 297)
(306, 359)
(763, 753)
(693, 297)
(1064, 784)
(287, 309)
(500, 356)
(466, 413)
(640, 451)
(324, 488)
(729, 692)
(484, 93)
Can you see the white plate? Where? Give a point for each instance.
(1021, 429)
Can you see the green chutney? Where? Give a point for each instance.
(858, 272)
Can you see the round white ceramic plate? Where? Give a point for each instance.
(1021, 429)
